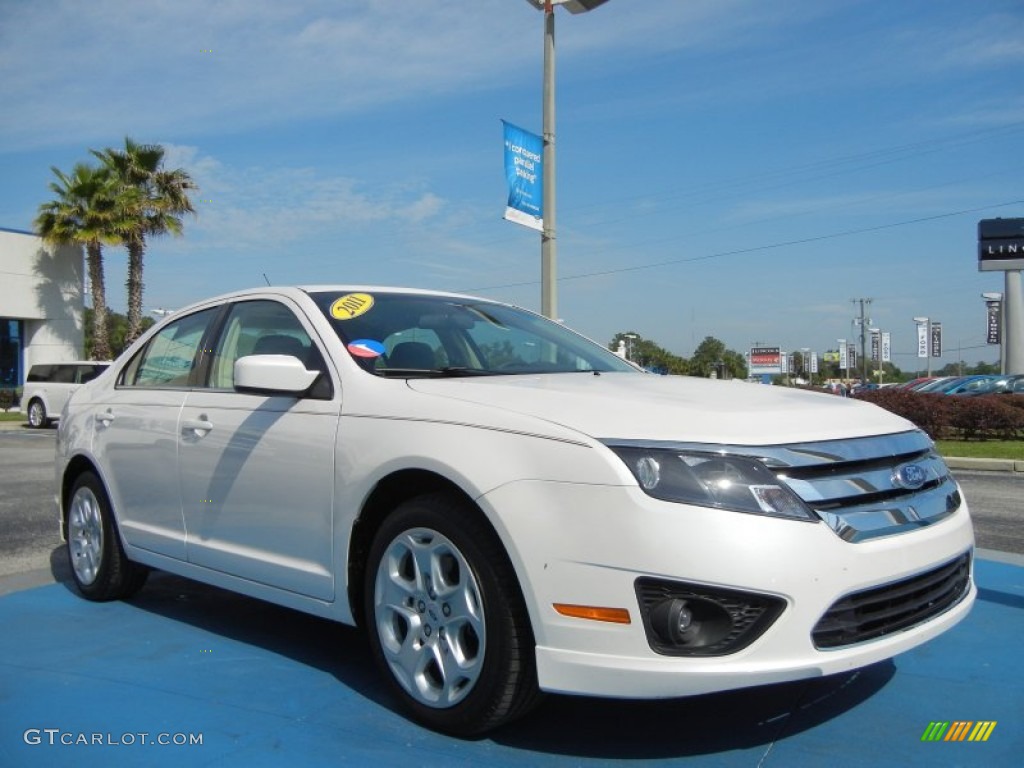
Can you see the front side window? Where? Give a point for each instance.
(405, 334)
(263, 327)
(170, 356)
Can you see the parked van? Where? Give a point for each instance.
(50, 385)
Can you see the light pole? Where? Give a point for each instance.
(548, 249)
(630, 338)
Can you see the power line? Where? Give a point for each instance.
(753, 249)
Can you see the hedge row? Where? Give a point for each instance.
(988, 417)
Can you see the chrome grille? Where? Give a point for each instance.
(857, 486)
(880, 611)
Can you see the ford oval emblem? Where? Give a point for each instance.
(909, 476)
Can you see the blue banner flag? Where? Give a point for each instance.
(524, 174)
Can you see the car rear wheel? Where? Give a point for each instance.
(99, 565)
(36, 414)
(446, 618)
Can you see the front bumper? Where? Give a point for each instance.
(587, 545)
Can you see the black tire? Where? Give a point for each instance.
(37, 414)
(99, 566)
(478, 657)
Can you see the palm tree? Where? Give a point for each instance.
(82, 214)
(150, 201)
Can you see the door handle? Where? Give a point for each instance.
(196, 427)
(105, 418)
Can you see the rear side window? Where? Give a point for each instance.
(89, 372)
(65, 373)
(40, 373)
(52, 374)
(169, 357)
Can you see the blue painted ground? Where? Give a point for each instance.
(265, 686)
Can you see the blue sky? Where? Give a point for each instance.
(735, 168)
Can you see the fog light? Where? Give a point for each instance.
(685, 619)
(672, 620)
(692, 623)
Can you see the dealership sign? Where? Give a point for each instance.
(993, 327)
(524, 176)
(1000, 244)
(765, 360)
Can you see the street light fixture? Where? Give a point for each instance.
(548, 250)
(631, 338)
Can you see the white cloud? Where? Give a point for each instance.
(261, 207)
(74, 71)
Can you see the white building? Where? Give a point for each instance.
(41, 304)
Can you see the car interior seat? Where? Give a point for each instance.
(412, 354)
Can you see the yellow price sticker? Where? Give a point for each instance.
(351, 305)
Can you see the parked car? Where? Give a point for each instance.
(505, 506)
(863, 386)
(48, 386)
(935, 384)
(998, 385)
(967, 384)
(951, 385)
(915, 383)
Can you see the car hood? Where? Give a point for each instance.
(674, 408)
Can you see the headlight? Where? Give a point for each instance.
(714, 480)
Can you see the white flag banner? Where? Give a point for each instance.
(886, 347)
(922, 339)
(844, 361)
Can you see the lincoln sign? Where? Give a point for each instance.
(1000, 244)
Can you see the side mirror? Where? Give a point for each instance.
(272, 374)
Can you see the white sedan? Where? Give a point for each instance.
(506, 506)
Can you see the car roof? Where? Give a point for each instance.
(297, 291)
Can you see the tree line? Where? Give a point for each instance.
(124, 199)
(711, 356)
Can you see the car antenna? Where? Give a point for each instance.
(265, 278)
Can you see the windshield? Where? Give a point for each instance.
(403, 334)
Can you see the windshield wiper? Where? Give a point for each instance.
(449, 371)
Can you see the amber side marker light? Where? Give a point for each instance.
(594, 613)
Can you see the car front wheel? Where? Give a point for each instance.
(99, 565)
(446, 618)
(36, 414)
